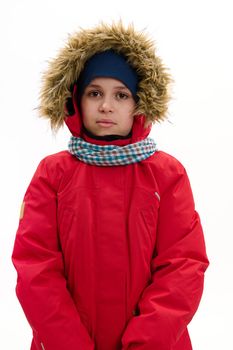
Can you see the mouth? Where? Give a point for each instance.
(105, 122)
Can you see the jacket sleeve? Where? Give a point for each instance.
(41, 284)
(171, 298)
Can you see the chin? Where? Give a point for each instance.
(106, 132)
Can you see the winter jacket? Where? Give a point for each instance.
(108, 258)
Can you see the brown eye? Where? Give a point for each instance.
(94, 93)
(122, 96)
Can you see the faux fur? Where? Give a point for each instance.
(138, 48)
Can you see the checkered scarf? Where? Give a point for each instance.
(110, 155)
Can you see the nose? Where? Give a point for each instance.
(106, 106)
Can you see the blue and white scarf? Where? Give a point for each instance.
(111, 155)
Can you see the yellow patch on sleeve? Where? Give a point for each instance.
(22, 210)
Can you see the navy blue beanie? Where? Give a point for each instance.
(108, 64)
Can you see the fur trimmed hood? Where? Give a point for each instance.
(64, 70)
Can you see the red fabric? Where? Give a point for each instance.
(110, 258)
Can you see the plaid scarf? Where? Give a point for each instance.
(111, 155)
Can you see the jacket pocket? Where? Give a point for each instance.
(149, 217)
(66, 220)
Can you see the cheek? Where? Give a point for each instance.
(127, 121)
(83, 107)
(130, 114)
(86, 111)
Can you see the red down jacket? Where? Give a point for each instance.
(110, 258)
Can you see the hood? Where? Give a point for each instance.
(59, 80)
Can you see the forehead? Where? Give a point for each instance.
(107, 82)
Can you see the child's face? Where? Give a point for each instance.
(107, 107)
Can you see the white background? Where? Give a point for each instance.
(194, 38)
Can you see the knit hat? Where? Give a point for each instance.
(108, 64)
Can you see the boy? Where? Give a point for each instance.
(109, 251)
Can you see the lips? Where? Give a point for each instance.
(105, 121)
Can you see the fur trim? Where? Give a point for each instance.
(64, 70)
